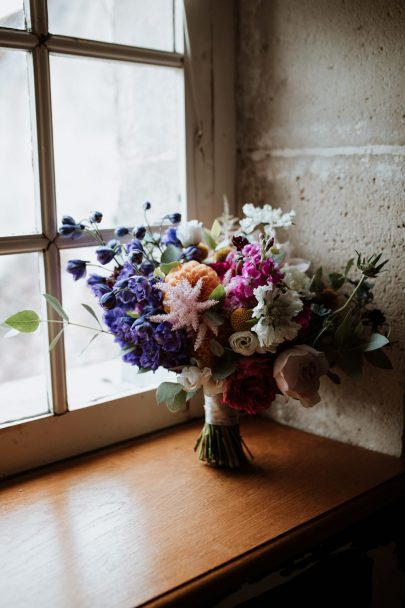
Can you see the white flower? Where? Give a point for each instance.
(266, 215)
(244, 343)
(190, 233)
(192, 378)
(276, 311)
(295, 279)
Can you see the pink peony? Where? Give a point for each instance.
(252, 387)
(297, 371)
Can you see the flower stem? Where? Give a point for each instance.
(101, 331)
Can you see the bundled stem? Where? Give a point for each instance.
(222, 446)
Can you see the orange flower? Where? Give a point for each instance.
(192, 272)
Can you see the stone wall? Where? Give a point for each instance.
(321, 129)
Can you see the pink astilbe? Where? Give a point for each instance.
(186, 310)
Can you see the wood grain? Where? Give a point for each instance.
(146, 523)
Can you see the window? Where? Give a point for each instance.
(98, 106)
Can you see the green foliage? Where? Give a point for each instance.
(25, 321)
(178, 402)
(56, 339)
(218, 293)
(216, 230)
(336, 280)
(225, 366)
(170, 254)
(92, 313)
(375, 342)
(216, 348)
(370, 266)
(378, 358)
(348, 266)
(214, 317)
(208, 239)
(88, 343)
(317, 284)
(166, 268)
(166, 391)
(56, 305)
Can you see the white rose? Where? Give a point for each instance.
(192, 378)
(295, 279)
(244, 343)
(190, 233)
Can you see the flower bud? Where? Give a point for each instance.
(135, 257)
(139, 232)
(67, 219)
(77, 268)
(108, 300)
(174, 218)
(121, 231)
(96, 216)
(147, 206)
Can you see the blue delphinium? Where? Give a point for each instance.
(170, 237)
(77, 268)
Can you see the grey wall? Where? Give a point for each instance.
(321, 129)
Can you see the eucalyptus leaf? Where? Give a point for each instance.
(344, 331)
(25, 321)
(336, 280)
(316, 284)
(224, 368)
(348, 266)
(56, 339)
(216, 230)
(178, 402)
(92, 313)
(143, 370)
(375, 342)
(88, 344)
(170, 254)
(208, 239)
(216, 348)
(218, 293)
(166, 268)
(158, 273)
(214, 317)
(351, 362)
(56, 305)
(167, 391)
(378, 358)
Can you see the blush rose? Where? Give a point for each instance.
(297, 372)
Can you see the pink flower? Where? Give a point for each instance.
(297, 371)
(251, 387)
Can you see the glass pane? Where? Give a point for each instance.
(23, 369)
(98, 372)
(14, 14)
(119, 138)
(17, 201)
(134, 22)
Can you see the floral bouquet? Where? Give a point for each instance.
(231, 312)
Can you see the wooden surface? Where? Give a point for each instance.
(147, 523)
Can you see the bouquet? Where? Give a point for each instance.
(231, 312)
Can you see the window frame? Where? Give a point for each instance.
(210, 174)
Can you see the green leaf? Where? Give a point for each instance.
(216, 230)
(214, 317)
(92, 313)
(166, 268)
(191, 394)
(336, 280)
(158, 273)
(208, 239)
(167, 391)
(218, 293)
(216, 348)
(316, 284)
(348, 266)
(88, 343)
(56, 339)
(170, 254)
(375, 342)
(178, 402)
(344, 331)
(133, 315)
(224, 368)
(378, 358)
(351, 362)
(56, 305)
(359, 329)
(25, 321)
(143, 370)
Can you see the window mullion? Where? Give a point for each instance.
(48, 200)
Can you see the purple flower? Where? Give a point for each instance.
(132, 245)
(193, 253)
(105, 255)
(77, 268)
(139, 232)
(170, 237)
(121, 231)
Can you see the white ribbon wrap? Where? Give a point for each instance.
(217, 413)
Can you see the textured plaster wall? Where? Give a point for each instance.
(321, 129)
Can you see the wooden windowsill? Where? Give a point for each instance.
(147, 524)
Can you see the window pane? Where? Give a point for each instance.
(23, 357)
(98, 372)
(135, 22)
(13, 14)
(119, 138)
(17, 201)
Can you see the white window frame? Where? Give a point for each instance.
(208, 62)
